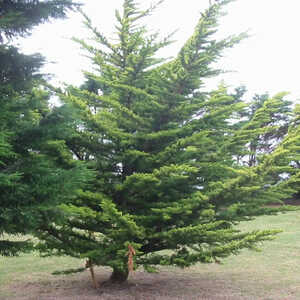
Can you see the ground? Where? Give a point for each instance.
(272, 274)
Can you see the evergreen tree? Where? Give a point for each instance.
(37, 172)
(291, 144)
(18, 17)
(164, 154)
(272, 125)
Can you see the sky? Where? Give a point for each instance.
(267, 61)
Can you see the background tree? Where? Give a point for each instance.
(164, 154)
(17, 18)
(292, 143)
(37, 172)
(272, 125)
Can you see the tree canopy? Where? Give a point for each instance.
(17, 18)
(169, 187)
(37, 172)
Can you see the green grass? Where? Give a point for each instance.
(272, 273)
(13, 268)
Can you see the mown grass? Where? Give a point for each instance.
(272, 273)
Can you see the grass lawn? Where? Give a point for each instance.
(273, 273)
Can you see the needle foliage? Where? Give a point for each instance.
(37, 171)
(168, 184)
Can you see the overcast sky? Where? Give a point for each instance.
(267, 61)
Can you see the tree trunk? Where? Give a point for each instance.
(93, 277)
(119, 276)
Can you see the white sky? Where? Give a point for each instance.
(267, 61)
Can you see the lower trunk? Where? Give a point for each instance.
(93, 277)
(91, 267)
(119, 276)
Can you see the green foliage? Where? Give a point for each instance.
(19, 17)
(37, 171)
(266, 120)
(18, 71)
(167, 180)
(69, 271)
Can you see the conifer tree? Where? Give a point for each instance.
(37, 172)
(164, 154)
(291, 145)
(19, 17)
(272, 125)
